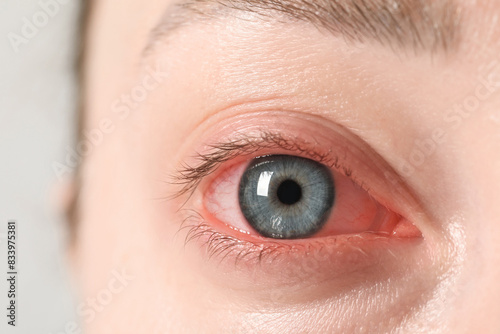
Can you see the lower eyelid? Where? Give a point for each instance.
(335, 258)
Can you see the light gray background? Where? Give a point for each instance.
(37, 110)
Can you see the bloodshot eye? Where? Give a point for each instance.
(286, 197)
(293, 197)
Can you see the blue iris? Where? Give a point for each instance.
(286, 197)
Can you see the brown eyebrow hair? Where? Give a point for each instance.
(418, 25)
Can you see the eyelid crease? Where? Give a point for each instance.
(189, 177)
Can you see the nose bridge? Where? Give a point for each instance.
(482, 307)
(475, 301)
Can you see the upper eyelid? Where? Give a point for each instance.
(189, 177)
(317, 138)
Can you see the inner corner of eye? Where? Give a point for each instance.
(406, 229)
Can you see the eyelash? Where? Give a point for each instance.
(189, 177)
(223, 245)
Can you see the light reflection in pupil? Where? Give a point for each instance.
(289, 192)
(263, 184)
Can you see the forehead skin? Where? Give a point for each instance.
(240, 62)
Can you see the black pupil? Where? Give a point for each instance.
(289, 192)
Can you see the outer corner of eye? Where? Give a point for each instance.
(293, 197)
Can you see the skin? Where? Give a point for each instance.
(439, 276)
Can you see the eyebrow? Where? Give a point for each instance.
(418, 25)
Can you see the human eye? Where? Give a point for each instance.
(292, 197)
(275, 190)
